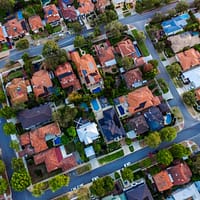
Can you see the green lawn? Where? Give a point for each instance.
(15, 74)
(84, 169)
(56, 29)
(111, 157)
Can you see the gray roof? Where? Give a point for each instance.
(35, 116)
(140, 192)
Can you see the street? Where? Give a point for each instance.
(191, 126)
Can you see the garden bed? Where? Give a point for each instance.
(83, 169)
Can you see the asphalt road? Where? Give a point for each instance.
(192, 127)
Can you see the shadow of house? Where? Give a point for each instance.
(111, 126)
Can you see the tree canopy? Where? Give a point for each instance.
(2, 96)
(80, 41)
(71, 131)
(168, 134)
(189, 98)
(179, 151)
(58, 181)
(7, 112)
(164, 157)
(17, 164)
(174, 69)
(153, 139)
(126, 62)
(3, 185)
(2, 166)
(181, 6)
(22, 44)
(102, 186)
(9, 128)
(127, 174)
(75, 97)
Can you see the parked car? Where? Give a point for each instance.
(95, 178)
(127, 164)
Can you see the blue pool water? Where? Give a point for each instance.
(57, 141)
(84, 106)
(121, 110)
(19, 15)
(168, 118)
(138, 53)
(95, 105)
(96, 90)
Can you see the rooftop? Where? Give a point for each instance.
(85, 6)
(51, 13)
(188, 58)
(17, 90)
(67, 77)
(2, 35)
(35, 23)
(132, 77)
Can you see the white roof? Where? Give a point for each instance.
(89, 151)
(110, 62)
(88, 132)
(186, 193)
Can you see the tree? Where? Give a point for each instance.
(75, 97)
(17, 164)
(65, 116)
(9, 128)
(153, 139)
(108, 183)
(150, 70)
(38, 189)
(127, 174)
(49, 28)
(58, 181)
(97, 31)
(126, 62)
(53, 55)
(3, 185)
(157, 18)
(71, 131)
(20, 180)
(79, 41)
(77, 28)
(179, 151)
(22, 44)
(139, 36)
(164, 157)
(171, 12)
(197, 4)
(2, 97)
(7, 112)
(174, 69)
(128, 141)
(196, 165)
(97, 148)
(168, 134)
(181, 6)
(14, 144)
(2, 166)
(189, 98)
(160, 46)
(111, 15)
(6, 5)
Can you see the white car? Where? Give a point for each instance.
(95, 178)
(127, 164)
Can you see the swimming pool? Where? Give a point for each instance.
(121, 110)
(137, 51)
(96, 90)
(95, 104)
(168, 119)
(57, 141)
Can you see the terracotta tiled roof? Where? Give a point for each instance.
(139, 61)
(189, 58)
(24, 139)
(104, 53)
(101, 4)
(67, 12)
(86, 6)
(2, 38)
(162, 181)
(53, 160)
(17, 90)
(197, 93)
(37, 136)
(180, 173)
(51, 13)
(14, 28)
(35, 23)
(126, 48)
(140, 99)
(132, 76)
(87, 68)
(67, 77)
(40, 80)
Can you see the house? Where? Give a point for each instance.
(85, 7)
(101, 4)
(56, 158)
(67, 10)
(188, 192)
(38, 137)
(111, 126)
(173, 176)
(88, 132)
(164, 108)
(105, 54)
(3, 34)
(14, 29)
(133, 78)
(188, 59)
(51, 15)
(119, 5)
(163, 181)
(67, 77)
(41, 82)
(154, 118)
(88, 72)
(182, 40)
(89, 152)
(138, 124)
(139, 100)
(30, 118)
(180, 174)
(35, 23)
(18, 90)
(140, 192)
(175, 25)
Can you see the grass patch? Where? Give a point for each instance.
(111, 157)
(83, 169)
(177, 82)
(163, 85)
(134, 166)
(131, 148)
(113, 146)
(177, 114)
(146, 163)
(154, 169)
(56, 29)
(15, 74)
